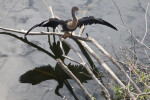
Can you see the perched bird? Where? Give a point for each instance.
(72, 24)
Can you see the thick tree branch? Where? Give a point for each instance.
(115, 78)
(114, 62)
(90, 72)
(65, 68)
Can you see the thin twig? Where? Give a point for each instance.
(71, 59)
(145, 23)
(138, 40)
(75, 51)
(147, 55)
(119, 12)
(128, 29)
(142, 94)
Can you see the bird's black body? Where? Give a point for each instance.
(65, 28)
(54, 22)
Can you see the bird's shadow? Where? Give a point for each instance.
(48, 72)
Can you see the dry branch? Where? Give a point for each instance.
(114, 62)
(115, 78)
(145, 23)
(107, 95)
(65, 68)
(43, 33)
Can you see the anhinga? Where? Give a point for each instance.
(71, 25)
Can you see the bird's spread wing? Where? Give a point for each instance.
(52, 22)
(92, 20)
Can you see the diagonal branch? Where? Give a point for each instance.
(65, 68)
(114, 62)
(115, 78)
(91, 73)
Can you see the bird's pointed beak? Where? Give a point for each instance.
(80, 10)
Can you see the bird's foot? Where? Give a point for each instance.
(65, 35)
(70, 35)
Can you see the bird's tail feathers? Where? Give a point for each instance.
(37, 25)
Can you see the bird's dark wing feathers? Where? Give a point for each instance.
(52, 22)
(92, 20)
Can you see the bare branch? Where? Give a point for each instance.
(138, 40)
(89, 71)
(129, 30)
(119, 12)
(113, 61)
(65, 68)
(145, 23)
(115, 78)
(147, 55)
(42, 33)
(142, 94)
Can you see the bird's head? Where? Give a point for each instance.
(75, 9)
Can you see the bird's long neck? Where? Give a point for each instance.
(74, 18)
(71, 25)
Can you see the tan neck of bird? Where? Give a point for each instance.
(72, 24)
(74, 15)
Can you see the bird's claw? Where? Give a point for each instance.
(70, 35)
(65, 35)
